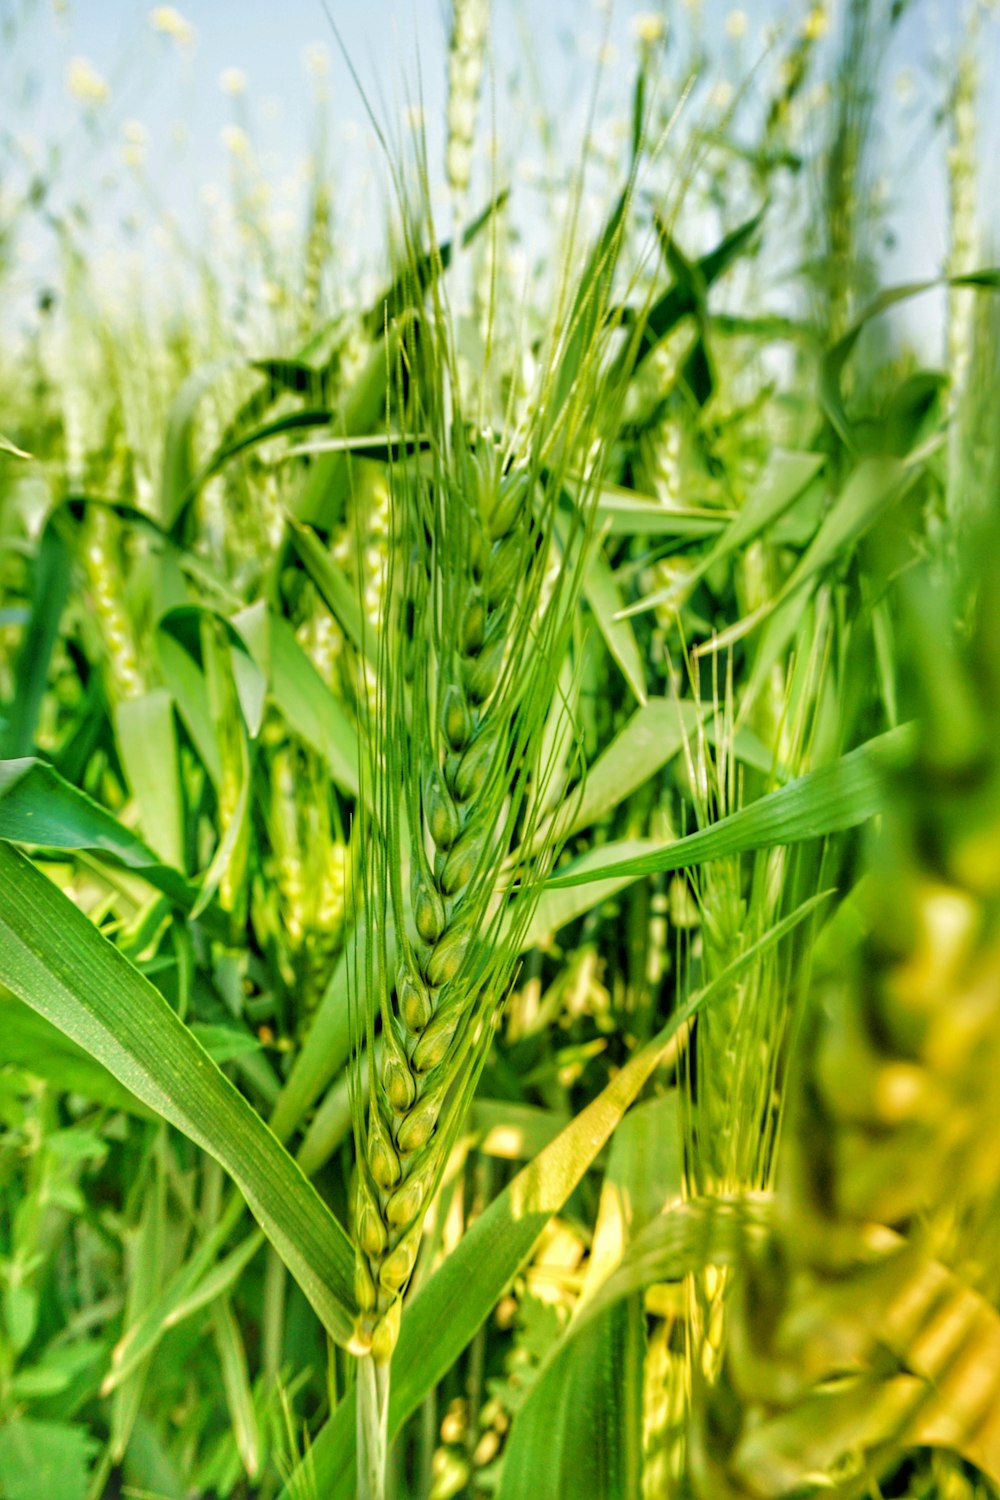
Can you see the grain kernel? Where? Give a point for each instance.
(404, 1205)
(428, 910)
(445, 962)
(371, 1231)
(397, 1080)
(386, 1333)
(415, 1004)
(383, 1160)
(456, 718)
(433, 1046)
(418, 1127)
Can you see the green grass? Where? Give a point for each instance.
(530, 740)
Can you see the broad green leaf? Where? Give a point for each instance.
(625, 512)
(38, 807)
(560, 903)
(177, 478)
(321, 1057)
(643, 1176)
(147, 744)
(580, 1431)
(252, 665)
(186, 681)
(310, 708)
(337, 591)
(236, 1384)
(55, 960)
(50, 585)
(837, 796)
(28, 1039)
(44, 1459)
(457, 1299)
(601, 592)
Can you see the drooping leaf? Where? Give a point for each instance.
(176, 481)
(147, 743)
(336, 589)
(602, 594)
(835, 360)
(38, 807)
(50, 586)
(56, 961)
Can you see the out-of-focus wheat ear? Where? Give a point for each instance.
(102, 567)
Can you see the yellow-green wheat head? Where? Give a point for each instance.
(489, 525)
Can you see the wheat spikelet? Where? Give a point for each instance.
(463, 718)
(466, 53)
(103, 569)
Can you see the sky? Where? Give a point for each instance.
(169, 113)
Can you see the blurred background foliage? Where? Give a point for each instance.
(779, 1275)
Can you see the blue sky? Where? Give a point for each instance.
(166, 103)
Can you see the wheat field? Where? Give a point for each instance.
(499, 771)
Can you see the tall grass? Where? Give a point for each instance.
(504, 770)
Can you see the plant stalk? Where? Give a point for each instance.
(373, 1427)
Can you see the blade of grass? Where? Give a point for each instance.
(55, 960)
(838, 796)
